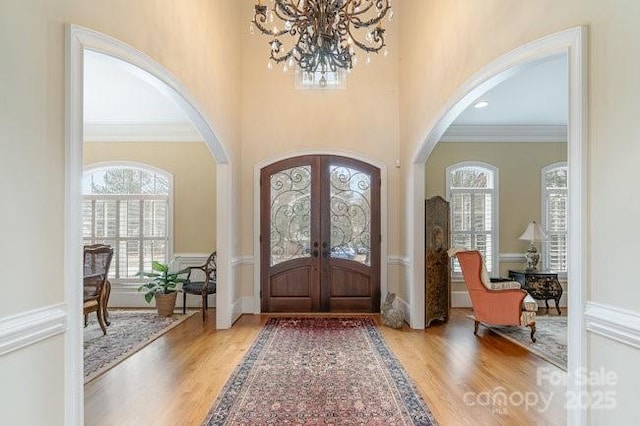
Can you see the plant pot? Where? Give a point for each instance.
(165, 303)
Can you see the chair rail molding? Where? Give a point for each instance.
(27, 328)
(511, 257)
(612, 322)
(397, 260)
(242, 261)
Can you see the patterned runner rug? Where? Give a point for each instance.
(315, 370)
(129, 332)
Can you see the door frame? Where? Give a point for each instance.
(256, 213)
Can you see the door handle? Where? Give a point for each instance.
(325, 252)
(315, 253)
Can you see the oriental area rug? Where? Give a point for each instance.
(130, 331)
(319, 371)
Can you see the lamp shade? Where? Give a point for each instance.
(533, 233)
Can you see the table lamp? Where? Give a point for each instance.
(533, 233)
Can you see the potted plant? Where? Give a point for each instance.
(162, 287)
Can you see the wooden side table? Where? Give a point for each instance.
(540, 285)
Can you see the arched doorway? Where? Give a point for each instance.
(320, 235)
(573, 43)
(80, 40)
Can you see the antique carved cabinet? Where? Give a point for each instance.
(437, 265)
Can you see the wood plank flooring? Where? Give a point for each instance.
(175, 379)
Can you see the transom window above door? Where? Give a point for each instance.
(129, 208)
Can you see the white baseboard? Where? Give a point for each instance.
(248, 305)
(236, 310)
(621, 325)
(26, 328)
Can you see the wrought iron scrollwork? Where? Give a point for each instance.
(350, 195)
(290, 214)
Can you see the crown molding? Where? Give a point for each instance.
(491, 133)
(140, 132)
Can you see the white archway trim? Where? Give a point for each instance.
(79, 39)
(147, 69)
(573, 43)
(384, 214)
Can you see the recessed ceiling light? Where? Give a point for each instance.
(481, 104)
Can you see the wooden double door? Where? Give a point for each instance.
(320, 235)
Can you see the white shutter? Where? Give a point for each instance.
(127, 208)
(472, 193)
(554, 217)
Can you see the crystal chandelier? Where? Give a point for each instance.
(324, 33)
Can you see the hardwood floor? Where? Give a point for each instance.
(175, 379)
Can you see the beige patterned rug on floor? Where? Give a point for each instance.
(130, 331)
(319, 371)
(551, 338)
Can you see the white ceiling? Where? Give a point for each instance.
(531, 105)
(121, 103)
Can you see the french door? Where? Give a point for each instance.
(320, 235)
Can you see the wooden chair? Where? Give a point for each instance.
(497, 303)
(203, 288)
(97, 259)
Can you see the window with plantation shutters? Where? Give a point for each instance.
(472, 192)
(554, 217)
(128, 208)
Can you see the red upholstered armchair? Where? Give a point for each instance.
(498, 303)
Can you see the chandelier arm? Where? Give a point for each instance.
(260, 18)
(282, 6)
(267, 31)
(325, 30)
(378, 38)
(282, 58)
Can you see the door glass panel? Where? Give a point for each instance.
(290, 214)
(350, 195)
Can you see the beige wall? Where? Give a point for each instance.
(459, 37)
(519, 166)
(279, 120)
(383, 115)
(194, 185)
(196, 40)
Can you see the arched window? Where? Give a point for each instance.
(472, 192)
(554, 217)
(129, 207)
